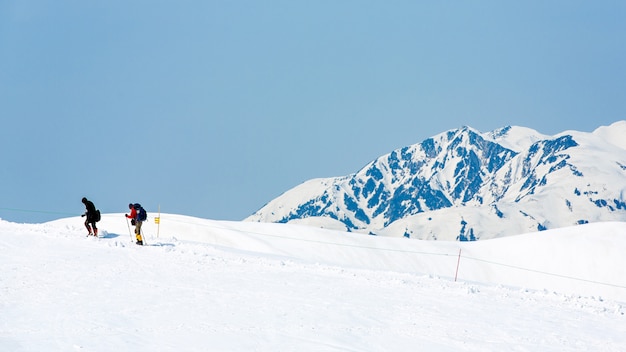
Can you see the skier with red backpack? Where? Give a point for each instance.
(137, 215)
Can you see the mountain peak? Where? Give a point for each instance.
(515, 137)
(613, 134)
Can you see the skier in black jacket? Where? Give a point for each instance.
(92, 217)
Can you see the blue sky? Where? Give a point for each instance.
(213, 108)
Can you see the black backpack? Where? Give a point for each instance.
(141, 212)
(97, 215)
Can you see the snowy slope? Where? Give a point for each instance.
(206, 285)
(505, 182)
(613, 134)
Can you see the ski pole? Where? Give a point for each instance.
(143, 237)
(130, 233)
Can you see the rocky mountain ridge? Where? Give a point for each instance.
(463, 184)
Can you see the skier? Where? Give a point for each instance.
(92, 217)
(137, 216)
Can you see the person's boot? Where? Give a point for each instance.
(95, 232)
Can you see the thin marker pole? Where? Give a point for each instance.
(159, 222)
(457, 266)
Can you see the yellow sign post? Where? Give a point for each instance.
(157, 221)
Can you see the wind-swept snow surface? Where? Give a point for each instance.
(228, 286)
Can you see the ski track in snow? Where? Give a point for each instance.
(61, 291)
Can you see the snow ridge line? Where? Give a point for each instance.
(414, 252)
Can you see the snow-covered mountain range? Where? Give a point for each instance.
(467, 185)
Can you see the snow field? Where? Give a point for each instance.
(226, 286)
